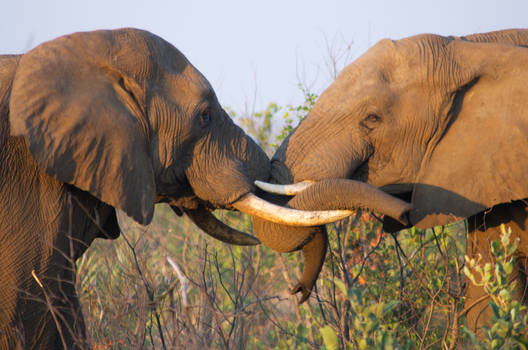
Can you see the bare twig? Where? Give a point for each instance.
(50, 307)
(184, 282)
(184, 287)
(150, 292)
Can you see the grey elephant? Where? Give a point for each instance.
(95, 121)
(439, 121)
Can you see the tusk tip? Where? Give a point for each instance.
(282, 189)
(252, 240)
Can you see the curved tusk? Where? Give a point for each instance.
(208, 223)
(255, 206)
(287, 190)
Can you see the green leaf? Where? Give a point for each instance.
(386, 342)
(341, 286)
(495, 309)
(329, 337)
(363, 345)
(513, 314)
(390, 306)
(522, 341)
(508, 267)
(495, 247)
(496, 343)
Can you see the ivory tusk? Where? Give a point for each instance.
(255, 206)
(287, 190)
(206, 221)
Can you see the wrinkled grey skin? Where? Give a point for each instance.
(439, 121)
(91, 122)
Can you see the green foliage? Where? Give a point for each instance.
(330, 340)
(294, 114)
(510, 319)
(260, 124)
(391, 292)
(367, 321)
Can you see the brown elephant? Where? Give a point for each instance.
(95, 121)
(439, 121)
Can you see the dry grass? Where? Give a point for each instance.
(238, 296)
(131, 295)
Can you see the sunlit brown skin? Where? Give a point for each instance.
(440, 121)
(91, 122)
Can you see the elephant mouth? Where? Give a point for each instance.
(361, 172)
(404, 196)
(401, 191)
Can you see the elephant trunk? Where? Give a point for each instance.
(341, 194)
(225, 164)
(347, 194)
(323, 195)
(281, 238)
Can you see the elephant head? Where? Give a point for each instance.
(124, 116)
(430, 119)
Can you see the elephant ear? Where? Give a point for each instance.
(81, 118)
(480, 160)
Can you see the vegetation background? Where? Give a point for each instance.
(376, 291)
(170, 286)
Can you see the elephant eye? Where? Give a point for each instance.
(370, 121)
(205, 118)
(372, 118)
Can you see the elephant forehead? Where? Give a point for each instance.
(346, 98)
(362, 73)
(189, 86)
(385, 63)
(362, 78)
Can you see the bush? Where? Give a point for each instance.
(510, 319)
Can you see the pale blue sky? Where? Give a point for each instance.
(253, 52)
